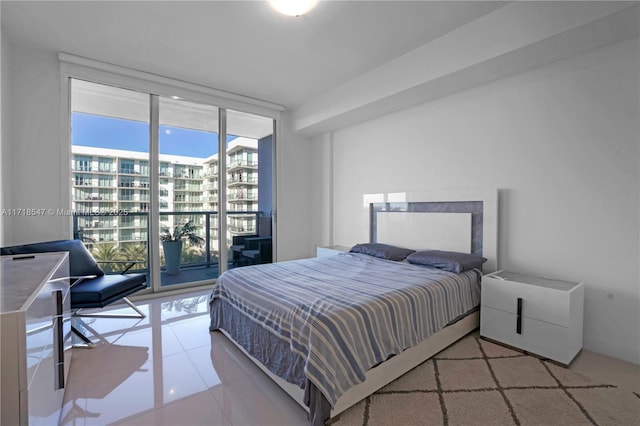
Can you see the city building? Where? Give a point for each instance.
(110, 193)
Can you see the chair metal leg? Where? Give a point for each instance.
(139, 314)
(88, 344)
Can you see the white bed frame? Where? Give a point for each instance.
(409, 232)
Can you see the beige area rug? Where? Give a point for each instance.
(476, 382)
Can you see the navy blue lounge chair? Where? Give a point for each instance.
(90, 286)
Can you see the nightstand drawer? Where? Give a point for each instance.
(537, 337)
(539, 315)
(540, 303)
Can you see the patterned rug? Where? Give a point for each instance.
(476, 382)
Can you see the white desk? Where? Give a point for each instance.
(35, 311)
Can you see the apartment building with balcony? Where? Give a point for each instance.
(242, 183)
(111, 192)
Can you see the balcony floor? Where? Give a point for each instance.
(190, 274)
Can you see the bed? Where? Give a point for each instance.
(332, 330)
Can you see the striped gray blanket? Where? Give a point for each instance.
(345, 314)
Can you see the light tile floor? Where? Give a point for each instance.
(168, 369)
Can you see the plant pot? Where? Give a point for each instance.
(172, 255)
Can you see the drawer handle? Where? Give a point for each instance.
(519, 317)
(58, 340)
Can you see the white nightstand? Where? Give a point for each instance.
(538, 315)
(331, 250)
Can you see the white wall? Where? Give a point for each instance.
(322, 194)
(293, 207)
(561, 142)
(5, 154)
(32, 146)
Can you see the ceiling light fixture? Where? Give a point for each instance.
(293, 7)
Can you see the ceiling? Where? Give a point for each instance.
(242, 47)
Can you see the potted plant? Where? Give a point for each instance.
(172, 244)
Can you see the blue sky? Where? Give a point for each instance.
(106, 132)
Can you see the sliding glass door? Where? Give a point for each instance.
(249, 172)
(186, 187)
(188, 148)
(110, 172)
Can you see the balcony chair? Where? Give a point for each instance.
(238, 243)
(257, 250)
(90, 287)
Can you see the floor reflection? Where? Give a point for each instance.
(168, 369)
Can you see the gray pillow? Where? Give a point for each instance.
(446, 260)
(383, 251)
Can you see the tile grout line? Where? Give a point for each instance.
(204, 380)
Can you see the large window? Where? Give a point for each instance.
(249, 179)
(126, 166)
(110, 128)
(160, 179)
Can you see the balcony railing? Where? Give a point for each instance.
(208, 222)
(82, 169)
(241, 163)
(251, 180)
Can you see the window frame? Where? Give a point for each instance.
(74, 67)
